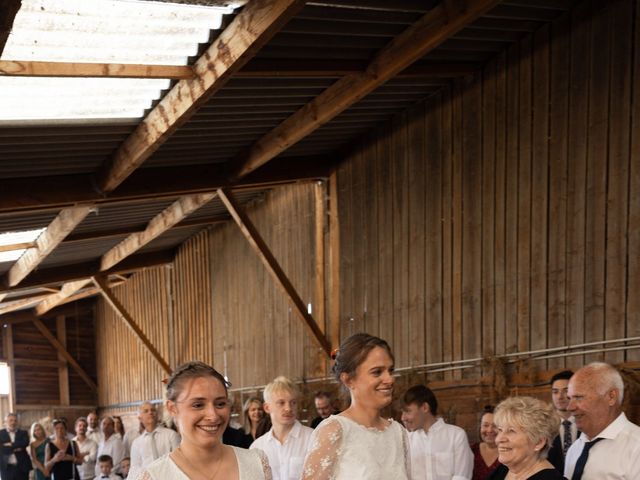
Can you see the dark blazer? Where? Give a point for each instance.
(18, 447)
(555, 456)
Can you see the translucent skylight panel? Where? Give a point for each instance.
(14, 238)
(98, 31)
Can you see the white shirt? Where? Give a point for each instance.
(114, 448)
(87, 468)
(442, 453)
(95, 435)
(162, 440)
(286, 459)
(614, 458)
(128, 439)
(108, 477)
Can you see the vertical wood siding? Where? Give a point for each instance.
(505, 211)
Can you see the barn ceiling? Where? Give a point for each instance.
(275, 94)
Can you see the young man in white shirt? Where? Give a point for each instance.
(609, 446)
(438, 451)
(88, 449)
(154, 442)
(288, 441)
(93, 428)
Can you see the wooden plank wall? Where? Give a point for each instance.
(218, 304)
(501, 214)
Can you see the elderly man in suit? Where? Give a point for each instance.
(15, 463)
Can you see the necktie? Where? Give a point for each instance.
(582, 460)
(154, 447)
(566, 438)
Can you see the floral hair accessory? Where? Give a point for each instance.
(334, 353)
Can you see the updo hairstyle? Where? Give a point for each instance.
(353, 351)
(190, 370)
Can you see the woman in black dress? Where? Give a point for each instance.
(526, 429)
(62, 455)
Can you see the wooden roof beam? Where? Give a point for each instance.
(170, 216)
(8, 11)
(31, 194)
(63, 351)
(256, 24)
(273, 267)
(109, 296)
(20, 68)
(77, 271)
(429, 32)
(67, 290)
(48, 240)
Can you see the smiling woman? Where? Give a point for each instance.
(198, 403)
(359, 443)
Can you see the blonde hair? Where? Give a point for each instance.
(279, 384)
(538, 419)
(32, 430)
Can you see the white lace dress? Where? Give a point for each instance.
(252, 465)
(342, 449)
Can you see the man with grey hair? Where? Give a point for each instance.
(111, 444)
(609, 446)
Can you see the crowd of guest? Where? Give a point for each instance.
(582, 434)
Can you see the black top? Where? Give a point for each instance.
(548, 474)
(66, 469)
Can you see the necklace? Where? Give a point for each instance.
(191, 464)
(523, 475)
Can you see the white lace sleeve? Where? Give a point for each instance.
(266, 468)
(141, 474)
(407, 452)
(322, 460)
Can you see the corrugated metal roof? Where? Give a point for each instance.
(322, 43)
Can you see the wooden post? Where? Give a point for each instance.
(63, 370)
(334, 261)
(7, 339)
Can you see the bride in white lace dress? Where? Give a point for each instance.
(197, 400)
(359, 443)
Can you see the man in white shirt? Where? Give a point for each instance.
(568, 431)
(438, 451)
(288, 441)
(609, 446)
(88, 449)
(93, 428)
(155, 440)
(111, 445)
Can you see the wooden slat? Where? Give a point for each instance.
(25, 68)
(247, 33)
(159, 224)
(422, 37)
(65, 354)
(7, 350)
(334, 262)
(8, 11)
(108, 295)
(67, 290)
(21, 304)
(269, 261)
(319, 267)
(17, 246)
(63, 370)
(48, 240)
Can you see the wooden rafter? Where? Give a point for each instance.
(34, 194)
(17, 246)
(113, 70)
(8, 12)
(65, 354)
(430, 31)
(77, 271)
(67, 290)
(22, 304)
(48, 240)
(159, 224)
(259, 245)
(247, 33)
(109, 296)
